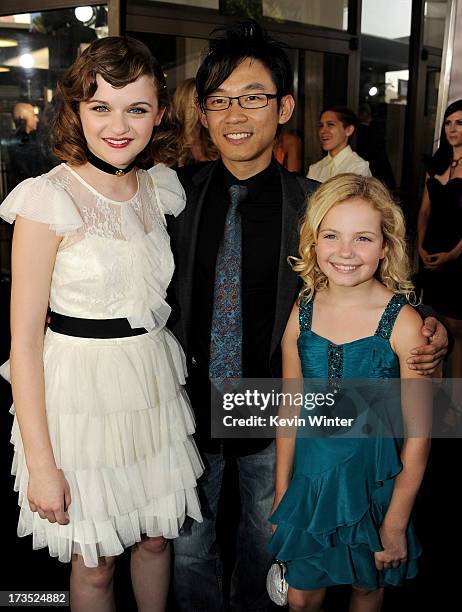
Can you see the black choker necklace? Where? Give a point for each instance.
(109, 168)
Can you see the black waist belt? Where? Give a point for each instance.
(93, 328)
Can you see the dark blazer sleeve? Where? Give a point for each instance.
(309, 186)
(179, 229)
(295, 191)
(174, 228)
(427, 311)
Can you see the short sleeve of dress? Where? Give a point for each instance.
(38, 199)
(171, 195)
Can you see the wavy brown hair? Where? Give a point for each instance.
(394, 268)
(119, 60)
(192, 132)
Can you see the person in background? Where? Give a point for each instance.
(288, 151)
(194, 140)
(439, 232)
(25, 117)
(337, 125)
(28, 150)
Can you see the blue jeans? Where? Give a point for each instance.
(197, 575)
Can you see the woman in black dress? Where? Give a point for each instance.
(440, 235)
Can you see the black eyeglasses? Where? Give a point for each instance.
(219, 103)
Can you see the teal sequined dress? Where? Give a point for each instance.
(329, 518)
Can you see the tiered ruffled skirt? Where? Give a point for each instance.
(329, 518)
(120, 427)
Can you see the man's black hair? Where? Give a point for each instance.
(231, 46)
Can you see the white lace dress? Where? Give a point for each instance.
(119, 421)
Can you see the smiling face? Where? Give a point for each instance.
(350, 243)
(244, 136)
(118, 122)
(332, 134)
(453, 129)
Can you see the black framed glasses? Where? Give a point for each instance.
(219, 103)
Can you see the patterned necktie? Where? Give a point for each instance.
(226, 333)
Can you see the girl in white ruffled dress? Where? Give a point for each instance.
(104, 457)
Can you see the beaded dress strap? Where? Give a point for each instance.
(389, 316)
(305, 314)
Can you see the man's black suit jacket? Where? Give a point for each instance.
(183, 234)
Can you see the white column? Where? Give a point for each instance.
(450, 88)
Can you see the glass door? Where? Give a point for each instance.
(35, 51)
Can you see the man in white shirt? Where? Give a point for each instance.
(336, 126)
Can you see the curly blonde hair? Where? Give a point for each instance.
(393, 270)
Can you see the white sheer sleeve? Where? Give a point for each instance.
(38, 199)
(170, 192)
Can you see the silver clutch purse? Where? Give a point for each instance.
(276, 584)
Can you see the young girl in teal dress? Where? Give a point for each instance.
(343, 506)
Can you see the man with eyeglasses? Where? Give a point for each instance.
(232, 294)
(244, 89)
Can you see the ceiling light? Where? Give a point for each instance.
(8, 42)
(26, 60)
(37, 59)
(83, 13)
(373, 91)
